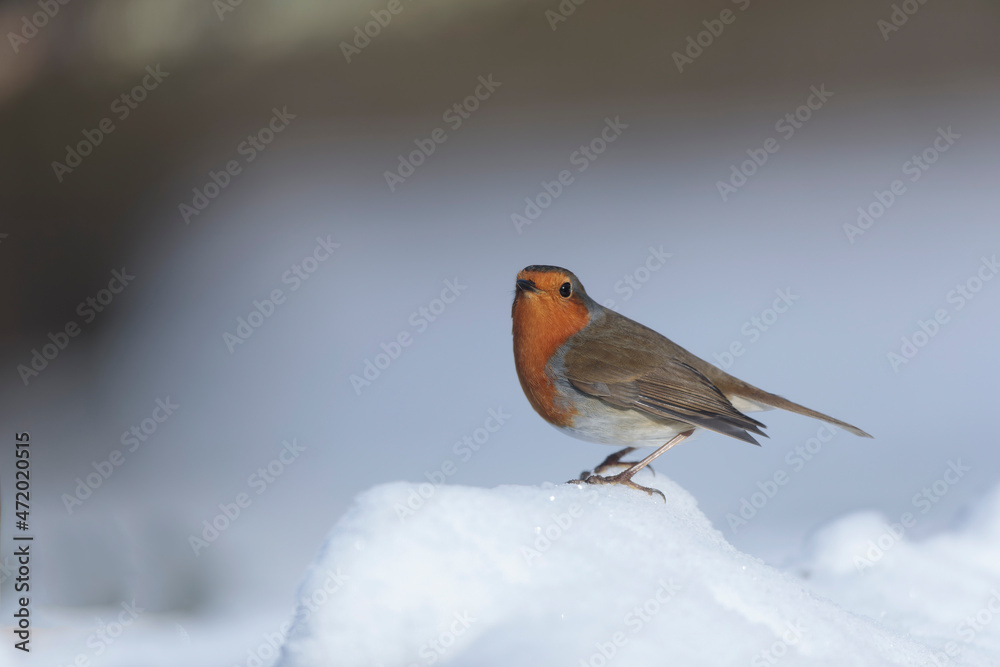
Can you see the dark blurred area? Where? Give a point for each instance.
(226, 71)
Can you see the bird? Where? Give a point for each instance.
(602, 377)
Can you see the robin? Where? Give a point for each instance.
(604, 378)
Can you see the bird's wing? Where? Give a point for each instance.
(666, 386)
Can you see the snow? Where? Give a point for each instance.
(576, 575)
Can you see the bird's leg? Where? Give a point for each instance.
(626, 476)
(614, 460)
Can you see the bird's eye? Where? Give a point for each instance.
(565, 289)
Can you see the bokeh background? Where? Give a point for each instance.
(225, 69)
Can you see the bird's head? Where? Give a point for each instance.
(550, 297)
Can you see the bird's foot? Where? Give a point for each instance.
(615, 461)
(623, 478)
(606, 466)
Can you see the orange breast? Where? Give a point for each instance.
(541, 326)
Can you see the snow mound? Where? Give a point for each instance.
(567, 575)
(943, 592)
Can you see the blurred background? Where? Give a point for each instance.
(258, 257)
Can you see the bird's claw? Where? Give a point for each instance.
(620, 478)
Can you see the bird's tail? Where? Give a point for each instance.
(756, 395)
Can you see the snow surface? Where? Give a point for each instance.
(415, 574)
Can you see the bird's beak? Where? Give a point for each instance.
(526, 286)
